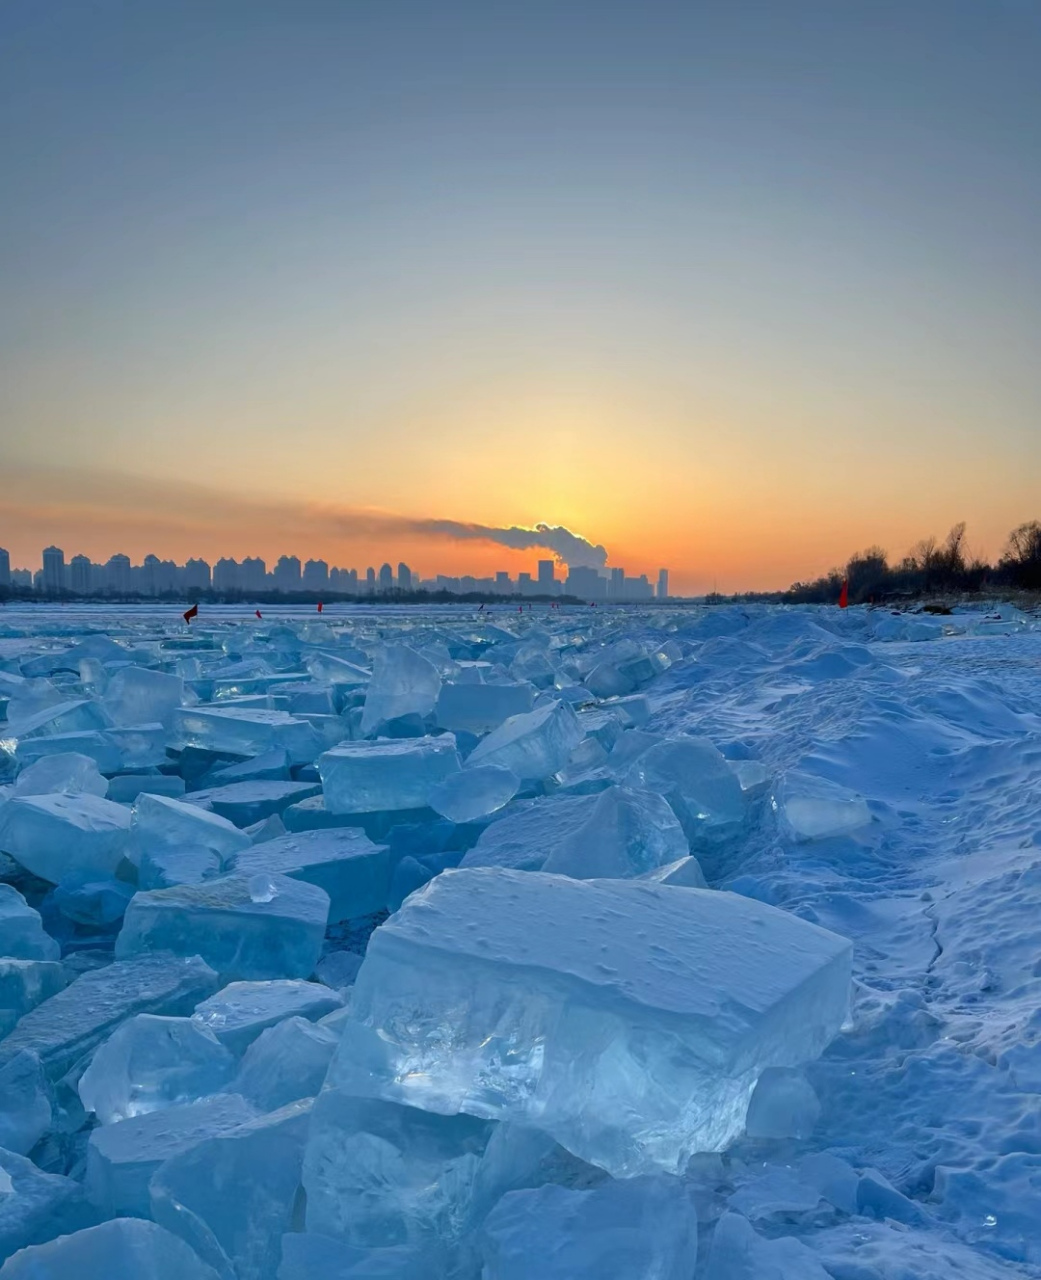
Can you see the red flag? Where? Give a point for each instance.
(258, 613)
(319, 606)
(844, 594)
(193, 612)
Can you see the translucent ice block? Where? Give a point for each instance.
(403, 683)
(238, 1013)
(67, 771)
(136, 695)
(24, 984)
(343, 861)
(150, 1063)
(22, 934)
(478, 708)
(162, 822)
(245, 927)
(123, 1249)
(34, 1207)
(813, 808)
(629, 1020)
(626, 834)
(474, 793)
(388, 774)
(246, 732)
(244, 803)
(534, 745)
(25, 1102)
(697, 782)
(286, 1062)
(51, 835)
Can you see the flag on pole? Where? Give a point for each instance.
(193, 612)
(844, 594)
(319, 606)
(258, 613)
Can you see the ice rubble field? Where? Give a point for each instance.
(713, 946)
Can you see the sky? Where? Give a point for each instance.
(735, 288)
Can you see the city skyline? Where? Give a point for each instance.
(118, 576)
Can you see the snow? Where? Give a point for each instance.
(491, 1071)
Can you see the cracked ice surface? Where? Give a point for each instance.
(176, 883)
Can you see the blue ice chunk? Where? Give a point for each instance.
(22, 934)
(474, 793)
(141, 746)
(307, 1255)
(343, 861)
(150, 1063)
(239, 1012)
(628, 1020)
(34, 1208)
(286, 1062)
(126, 787)
(529, 832)
(50, 835)
(92, 900)
(231, 1197)
(626, 834)
(24, 984)
(697, 782)
(244, 803)
(164, 866)
(478, 708)
(99, 746)
(534, 745)
(123, 1249)
(25, 1102)
(121, 1158)
(245, 927)
(271, 766)
(66, 771)
(639, 1227)
(388, 774)
(160, 822)
(245, 731)
(64, 1028)
(137, 695)
(403, 683)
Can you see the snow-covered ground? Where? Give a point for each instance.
(560, 1057)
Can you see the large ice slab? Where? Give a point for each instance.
(245, 927)
(25, 1102)
(66, 771)
(244, 803)
(68, 1025)
(286, 1062)
(628, 1020)
(161, 822)
(479, 708)
(534, 745)
(123, 1249)
(388, 774)
(150, 1063)
(246, 732)
(529, 832)
(121, 1158)
(343, 861)
(137, 695)
(626, 834)
(22, 935)
(232, 1196)
(697, 782)
(403, 683)
(24, 984)
(637, 1229)
(812, 808)
(34, 1207)
(239, 1012)
(475, 793)
(53, 834)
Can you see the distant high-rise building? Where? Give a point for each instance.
(404, 577)
(117, 576)
(663, 584)
(524, 583)
(370, 580)
(585, 583)
(253, 574)
(502, 582)
(616, 588)
(53, 579)
(351, 580)
(5, 569)
(316, 575)
(80, 575)
(196, 575)
(386, 578)
(22, 579)
(287, 574)
(226, 575)
(547, 577)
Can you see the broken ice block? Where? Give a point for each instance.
(244, 803)
(239, 1013)
(50, 835)
(231, 1197)
(22, 934)
(97, 901)
(25, 1103)
(123, 1249)
(35, 1207)
(474, 793)
(136, 695)
(150, 1063)
(100, 747)
(529, 831)
(245, 927)
(286, 1062)
(388, 774)
(783, 1105)
(403, 683)
(813, 808)
(697, 782)
(162, 867)
(126, 787)
(121, 1158)
(160, 822)
(640, 1227)
(478, 708)
(307, 1255)
(68, 1025)
(141, 746)
(685, 872)
(75, 715)
(246, 732)
(534, 745)
(272, 766)
(626, 834)
(629, 1020)
(23, 985)
(67, 771)
(343, 861)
